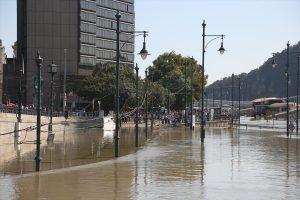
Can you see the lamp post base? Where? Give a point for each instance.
(17, 132)
(50, 137)
(202, 134)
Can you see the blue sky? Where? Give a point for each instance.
(253, 28)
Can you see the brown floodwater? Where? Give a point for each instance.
(246, 164)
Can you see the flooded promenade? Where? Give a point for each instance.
(245, 164)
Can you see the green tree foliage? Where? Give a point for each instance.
(168, 70)
(166, 76)
(101, 86)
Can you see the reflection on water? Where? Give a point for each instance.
(175, 165)
(70, 148)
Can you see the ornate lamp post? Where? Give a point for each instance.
(221, 98)
(20, 92)
(137, 106)
(274, 64)
(232, 105)
(185, 95)
(297, 117)
(221, 50)
(144, 53)
(39, 62)
(239, 86)
(192, 102)
(52, 70)
(146, 104)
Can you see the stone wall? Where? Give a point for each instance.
(10, 146)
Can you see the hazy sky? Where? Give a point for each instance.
(253, 28)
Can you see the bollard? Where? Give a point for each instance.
(17, 132)
(50, 136)
(101, 118)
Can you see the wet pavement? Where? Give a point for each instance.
(246, 164)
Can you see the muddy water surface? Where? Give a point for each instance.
(174, 165)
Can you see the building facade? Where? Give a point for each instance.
(10, 82)
(2, 63)
(75, 34)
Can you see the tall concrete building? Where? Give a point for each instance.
(2, 62)
(78, 34)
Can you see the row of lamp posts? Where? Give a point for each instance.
(52, 70)
(287, 74)
(144, 53)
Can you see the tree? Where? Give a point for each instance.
(101, 86)
(166, 77)
(168, 71)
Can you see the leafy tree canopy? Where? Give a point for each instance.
(168, 70)
(166, 83)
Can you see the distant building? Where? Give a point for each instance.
(2, 62)
(264, 106)
(85, 28)
(10, 83)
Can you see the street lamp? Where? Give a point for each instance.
(286, 72)
(274, 64)
(239, 86)
(20, 92)
(221, 98)
(137, 106)
(213, 96)
(221, 50)
(39, 62)
(99, 107)
(297, 114)
(144, 53)
(52, 70)
(191, 105)
(146, 103)
(232, 104)
(185, 97)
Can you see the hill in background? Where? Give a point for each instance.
(265, 81)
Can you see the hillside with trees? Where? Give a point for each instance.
(264, 81)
